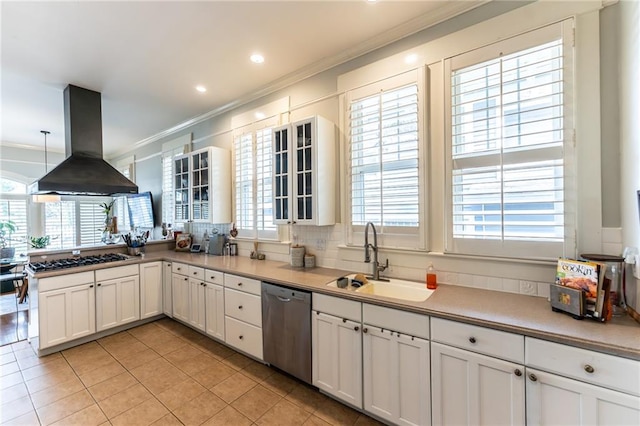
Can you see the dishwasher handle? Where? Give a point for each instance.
(283, 299)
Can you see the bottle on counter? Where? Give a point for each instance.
(432, 281)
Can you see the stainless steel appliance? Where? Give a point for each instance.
(286, 330)
(216, 244)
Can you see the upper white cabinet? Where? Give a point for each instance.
(202, 186)
(304, 171)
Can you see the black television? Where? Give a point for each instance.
(141, 210)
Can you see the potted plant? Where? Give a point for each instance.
(107, 209)
(39, 242)
(7, 227)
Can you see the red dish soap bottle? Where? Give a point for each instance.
(432, 282)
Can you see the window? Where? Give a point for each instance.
(60, 224)
(13, 207)
(91, 223)
(168, 200)
(509, 143)
(384, 154)
(253, 184)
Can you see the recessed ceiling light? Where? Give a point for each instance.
(411, 59)
(257, 58)
(201, 89)
(260, 115)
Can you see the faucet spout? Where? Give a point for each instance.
(367, 257)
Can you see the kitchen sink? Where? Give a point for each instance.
(394, 288)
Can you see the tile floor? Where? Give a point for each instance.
(14, 319)
(161, 373)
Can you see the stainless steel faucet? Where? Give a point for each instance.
(377, 268)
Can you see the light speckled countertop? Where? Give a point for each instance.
(527, 315)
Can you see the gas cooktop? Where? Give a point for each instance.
(72, 262)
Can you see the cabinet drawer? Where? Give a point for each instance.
(244, 337)
(179, 268)
(395, 320)
(64, 281)
(241, 283)
(243, 306)
(117, 272)
(499, 344)
(197, 273)
(593, 367)
(213, 277)
(337, 306)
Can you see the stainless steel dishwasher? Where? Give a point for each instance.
(286, 329)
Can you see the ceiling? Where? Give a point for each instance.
(147, 57)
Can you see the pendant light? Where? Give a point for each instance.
(46, 198)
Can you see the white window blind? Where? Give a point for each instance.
(243, 159)
(509, 142)
(384, 132)
(168, 200)
(15, 210)
(60, 224)
(92, 222)
(264, 183)
(121, 211)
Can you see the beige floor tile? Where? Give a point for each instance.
(126, 349)
(27, 358)
(199, 409)
(102, 373)
(56, 392)
(48, 380)
(86, 363)
(166, 344)
(11, 380)
(90, 416)
(335, 413)
(229, 416)
(146, 413)
(176, 396)
(64, 407)
(213, 348)
(284, 413)
(183, 354)
(306, 397)
(13, 392)
(217, 373)
(144, 330)
(56, 365)
(167, 420)
(116, 339)
(122, 401)
(164, 380)
(139, 358)
(9, 368)
(257, 371)
(256, 402)
(237, 361)
(233, 387)
(109, 387)
(11, 409)
(28, 419)
(364, 420)
(316, 421)
(151, 368)
(280, 384)
(7, 358)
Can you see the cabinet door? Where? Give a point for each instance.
(553, 400)
(303, 172)
(396, 376)
(167, 302)
(337, 357)
(66, 314)
(197, 303)
(181, 184)
(106, 304)
(180, 288)
(214, 310)
(473, 389)
(281, 175)
(151, 289)
(129, 299)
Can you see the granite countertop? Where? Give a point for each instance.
(526, 315)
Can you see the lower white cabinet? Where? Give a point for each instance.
(167, 293)
(243, 314)
(214, 310)
(396, 369)
(337, 348)
(117, 299)
(473, 389)
(196, 308)
(151, 289)
(180, 291)
(556, 400)
(66, 313)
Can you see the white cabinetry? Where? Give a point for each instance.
(188, 294)
(180, 291)
(598, 389)
(396, 365)
(197, 287)
(151, 289)
(214, 303)
(202, 186)
(469, 388)
(243, 314)
(304, 172)
(67, 309)
(337, 347)
(117, 296)
(167, 294)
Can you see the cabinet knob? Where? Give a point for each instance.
(185, 278)
(239, 284)
(472, 339)
(365, 330)
(356, 328)
(195, 273)
(212, 278)
(518, 372)
(91, 286)
(168, 264)
(179, 269)
(241, 337)
(99, 284)
(240, 307)
(589, 369)
(533, 377)
(344, 320)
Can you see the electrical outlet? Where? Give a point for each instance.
(321, 244)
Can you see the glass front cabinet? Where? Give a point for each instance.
(202, 186)
(304, 172)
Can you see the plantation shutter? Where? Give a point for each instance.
(264, 183)
(92, 222)
(15, 210)
(243, 160)
(60, 224)
(510, 139)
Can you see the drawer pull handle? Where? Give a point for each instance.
(344, 320)
(589, 369)
(179, 269)
(518, 372)
(533, 377)
(365, 330)
(195, 273)
(241, 337)
(91, 286)
(356, 328)
(472, 339)
(100, 285)
(240, 307)
(239, 284)
(212, 278)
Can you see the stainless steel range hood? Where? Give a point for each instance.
(84, 172)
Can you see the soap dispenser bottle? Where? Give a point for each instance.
(432, 281)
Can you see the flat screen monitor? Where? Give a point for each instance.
(141, 210)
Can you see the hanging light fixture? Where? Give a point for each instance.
(46, 198)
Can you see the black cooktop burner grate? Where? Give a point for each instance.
(72, 262)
